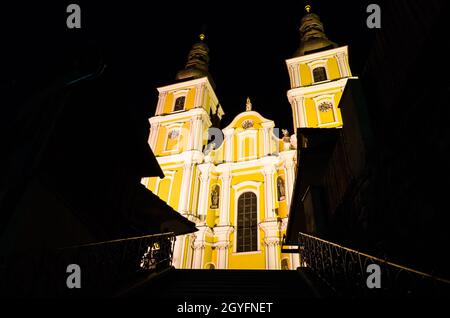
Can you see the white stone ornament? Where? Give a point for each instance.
(247, 124)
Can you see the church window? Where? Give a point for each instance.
(320, 74)
(247, 223)
(179, 103)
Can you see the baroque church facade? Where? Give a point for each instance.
(238, 192)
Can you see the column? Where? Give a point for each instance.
(185, 187)
(295, 261)
(266, 138)
(269, 182)
(271, 243)
(291, 73)
(297, 78)
(178, 251)
(198, 140)
(342, 62)
(153, 137)
(229, 144)
(223, 245)
(295, 110)
(272, 255)
(225, 198)
(190, 252)
(195, 133)
(204, 190)
(199, 93)
(301, 113)
(199, 251)
(190, 143)
(289, 170)
(199, 246)
(161, 102)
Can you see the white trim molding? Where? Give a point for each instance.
(316, 64)
(252, 136)
(177, 94)
(326, 98)
(170, 128)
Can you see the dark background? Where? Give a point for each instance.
(146, 44)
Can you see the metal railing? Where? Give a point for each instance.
(104, 267)
(346, 272)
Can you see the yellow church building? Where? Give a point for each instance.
(238, 190)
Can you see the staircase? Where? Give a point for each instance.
(177, 285)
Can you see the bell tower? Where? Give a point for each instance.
(318, 74)
(179, 129)
(186, 109)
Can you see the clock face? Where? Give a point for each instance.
(325, 107)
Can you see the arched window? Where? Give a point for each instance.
(281, 189)
(247, 223)
(179, 103)
(320, 74)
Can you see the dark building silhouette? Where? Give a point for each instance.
(76, 152)
(379, 183)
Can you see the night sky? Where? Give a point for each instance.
(146, 44)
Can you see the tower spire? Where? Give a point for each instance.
(312, 34)
(197, 64)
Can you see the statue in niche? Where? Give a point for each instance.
(215, 197)
(281, 189)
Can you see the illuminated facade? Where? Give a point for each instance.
(318, 73)
(239, 192)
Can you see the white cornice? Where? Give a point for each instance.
(185, 115)
(193, 83)
(181, 85)
(313, 89)
(246, 184)
(244, 114)
(187, 156)
(247, 164)
(317, 56)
